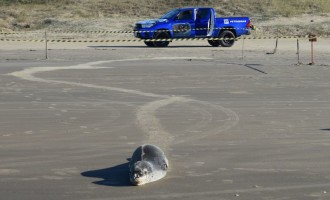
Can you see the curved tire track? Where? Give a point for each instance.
(146, 114)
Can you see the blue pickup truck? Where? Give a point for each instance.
(192, 23)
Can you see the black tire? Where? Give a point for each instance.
(161, 35)
(214, 43)
(149, 44)
(227, 39)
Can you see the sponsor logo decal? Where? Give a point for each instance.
(237, 21)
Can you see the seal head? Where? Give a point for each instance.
(141, 174)
(148, 164)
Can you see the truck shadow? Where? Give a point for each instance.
(117, 176)
(145, 47)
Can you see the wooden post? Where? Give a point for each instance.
(312, 39)
(298, 52)
(312, 53)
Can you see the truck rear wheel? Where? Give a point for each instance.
(161, 35)
(227, 39)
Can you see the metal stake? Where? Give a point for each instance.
(274, 51)
(312, 53)
(46, 45)
(298, 52)
(243, 49)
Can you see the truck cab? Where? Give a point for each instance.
(192, 23)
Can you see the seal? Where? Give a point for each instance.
(148, 164)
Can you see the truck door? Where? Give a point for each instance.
(183, 24)
(204, 24)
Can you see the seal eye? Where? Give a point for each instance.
(164, 166)
(138, 173)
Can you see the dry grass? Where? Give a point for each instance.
(38, 14)
(151, 7)
(296, 7)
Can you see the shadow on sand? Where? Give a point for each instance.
(116, 176)
(325, 129)
(145, 47)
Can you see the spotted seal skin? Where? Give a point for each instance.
(148, 164)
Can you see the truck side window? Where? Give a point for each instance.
(185, 15)
(203, 14)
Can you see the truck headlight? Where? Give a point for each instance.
(148, 25)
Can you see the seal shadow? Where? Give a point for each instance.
(117, 176)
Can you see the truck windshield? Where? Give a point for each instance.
(171, 14)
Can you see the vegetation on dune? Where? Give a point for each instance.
(35, 14)
(151, 7)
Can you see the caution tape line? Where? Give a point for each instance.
(100, 32)
(177, 30)
(9, 33)
(161, 40)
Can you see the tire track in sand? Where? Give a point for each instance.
(146, 115)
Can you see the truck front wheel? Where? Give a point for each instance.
(227, 39)
(214, 43)
(149, 44)
(161, 35)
